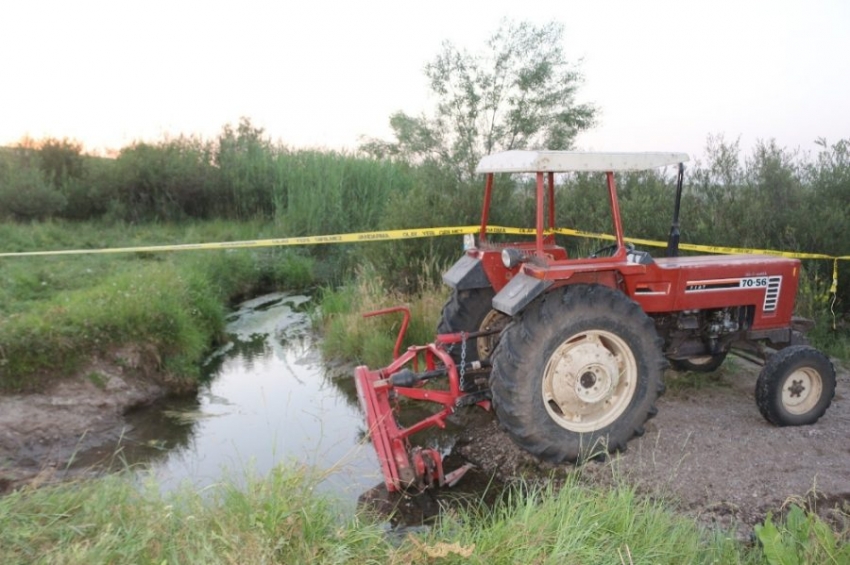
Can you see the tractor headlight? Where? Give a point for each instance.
(511, 257)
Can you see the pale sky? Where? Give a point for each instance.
(665, 74)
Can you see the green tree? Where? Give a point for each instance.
(518, 93)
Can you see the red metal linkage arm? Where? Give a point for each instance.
(404, 323)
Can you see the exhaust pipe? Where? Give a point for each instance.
(673, 240)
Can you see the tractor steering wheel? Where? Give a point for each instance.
(609, 250)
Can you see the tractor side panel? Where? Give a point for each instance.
(699, 283)
(522, 288)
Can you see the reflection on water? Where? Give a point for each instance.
(269, 401)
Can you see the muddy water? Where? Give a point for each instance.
(269, 400)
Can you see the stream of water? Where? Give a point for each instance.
(269, 400)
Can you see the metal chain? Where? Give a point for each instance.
(462, 360)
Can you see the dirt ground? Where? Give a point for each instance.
(41, 432)
(710, 452)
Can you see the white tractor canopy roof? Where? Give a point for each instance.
(575, 161)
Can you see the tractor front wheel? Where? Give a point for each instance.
(796, 386)
(577, 372)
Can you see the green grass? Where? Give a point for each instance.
(834, 341)
(348, 335)
(575, 524)
(113, 520)
(281, 519)
(59, 311)
(683, 382)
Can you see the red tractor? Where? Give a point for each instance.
(571, 351)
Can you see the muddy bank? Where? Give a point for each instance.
(41, 432)
(709, 452)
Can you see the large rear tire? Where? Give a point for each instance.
(578, 372)
(472, 311)
(796, 386)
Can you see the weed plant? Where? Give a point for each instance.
(801, 538)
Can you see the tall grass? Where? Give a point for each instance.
(281, 519)
(772, 198)
(335, 193)
(111, 520)
(348, 335)
(190, 189)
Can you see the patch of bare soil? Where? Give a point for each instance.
(41, 432)
(709, 452)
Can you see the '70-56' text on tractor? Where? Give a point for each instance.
(570, 351)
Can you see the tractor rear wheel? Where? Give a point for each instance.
(796, 386)
(577, 372)
(472, 311)
(705, 364)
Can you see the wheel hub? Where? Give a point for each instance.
(802, 390)
(494, 320)
(796, 388)
(588, 381)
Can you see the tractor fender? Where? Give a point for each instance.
(519, 291)
(466, 274)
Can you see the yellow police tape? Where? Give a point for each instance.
(427, 232)
(277, 242)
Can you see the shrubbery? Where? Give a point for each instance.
(772, 198)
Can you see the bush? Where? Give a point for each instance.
(772, 198)
(164, 182)
(25, 194)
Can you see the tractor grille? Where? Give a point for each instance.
(771, 297)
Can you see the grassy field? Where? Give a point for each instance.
(57, 311)
(177, 302)
(280, 519)
(241, 185)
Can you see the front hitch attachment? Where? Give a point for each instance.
(403, 466)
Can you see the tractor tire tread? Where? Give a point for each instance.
(464, 311)
(522, 346)
(767, 395)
